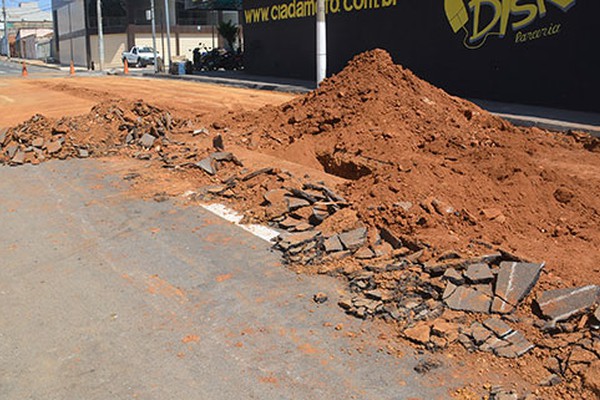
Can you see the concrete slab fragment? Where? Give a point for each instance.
(515, 281)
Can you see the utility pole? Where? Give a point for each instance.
(321, 42)
(100, 35)
(168, 23)
(5, 29)
(153, 35)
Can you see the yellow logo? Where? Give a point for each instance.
(480, 19)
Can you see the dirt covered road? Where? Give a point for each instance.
(21, 98)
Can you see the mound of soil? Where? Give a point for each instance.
(439, 169)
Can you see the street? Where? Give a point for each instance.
(106, 296)
(10, 69)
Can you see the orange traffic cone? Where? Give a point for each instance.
(72, 70)
(125, 67)
(24, 71)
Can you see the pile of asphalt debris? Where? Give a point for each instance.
(108, 128)
(437, 302)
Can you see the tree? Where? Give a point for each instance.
(230, 32)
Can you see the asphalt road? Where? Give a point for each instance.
(12, 69)
(106, 296)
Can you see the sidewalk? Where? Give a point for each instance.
(242, 80)
(544, 117)
(519, 114)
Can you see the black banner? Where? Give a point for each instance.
(543, 52)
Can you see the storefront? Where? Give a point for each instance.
(542, 52)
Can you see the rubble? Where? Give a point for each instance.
(515, 281)
(561, 304)
(395, 264)
(106, 128)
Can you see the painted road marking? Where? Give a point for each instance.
(263, 232)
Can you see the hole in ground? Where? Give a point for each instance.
(346, 169)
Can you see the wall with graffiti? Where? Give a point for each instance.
(543, 52)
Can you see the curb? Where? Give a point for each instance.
(519, 120)
(232, 82)
(549, 124)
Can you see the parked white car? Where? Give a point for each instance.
(140, 56)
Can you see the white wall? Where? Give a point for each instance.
(145, 39)
(114, 46)
(189, 41)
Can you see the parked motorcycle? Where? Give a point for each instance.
(217, 59)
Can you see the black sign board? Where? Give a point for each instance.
(542, 52)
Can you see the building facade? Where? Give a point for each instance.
(28, 26)
(125, 24)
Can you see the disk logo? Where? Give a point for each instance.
(480, 19)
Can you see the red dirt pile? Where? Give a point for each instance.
(440, 170)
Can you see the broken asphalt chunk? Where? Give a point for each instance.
(225, 156)
(364, 254)
(207, 165)
(479, 273)
(217, 142)
(53, 147)
(354, 239)
(515, 281)
(390, 238)
(19, 158)
(333, 244)
(499, 327)
(297, 239)
(147, 140)
(256, 173)
(479, 333)
(325, 190)
(453, 276)
(294, 203)
(476, 298)
(38, 142)
(561, 304)
(11, 150)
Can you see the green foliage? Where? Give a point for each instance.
(230, 32)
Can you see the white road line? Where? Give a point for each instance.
(263, 232)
